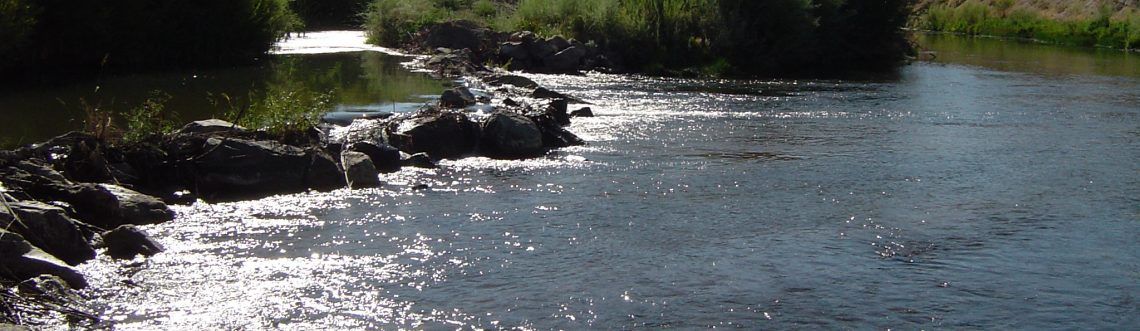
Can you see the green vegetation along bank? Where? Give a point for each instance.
(1091, 23)
(716, 37)
(47, 39)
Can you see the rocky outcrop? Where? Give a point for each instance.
(525, 51)
(48, 228)
(440, 134)
(237, 168)
(512, 136)
(127, 241)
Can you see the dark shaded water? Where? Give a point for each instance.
(961, 195)
(360, 81)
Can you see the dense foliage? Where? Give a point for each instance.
(329, 14)
(1105, 28)
(718, 36)
(86, 36)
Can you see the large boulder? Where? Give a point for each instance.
(565, 61)
(418, 160)
(443, 135)
(238, 168)
(126, 241)
(539, 48)
(29, 262)
(132, 207)
(48, 228)
(359, 171)
(384, 157)
(511, 136)
(514, 52)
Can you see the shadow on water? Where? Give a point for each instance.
(360, 81)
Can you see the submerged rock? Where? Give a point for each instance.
(582, 112)
(512, 136)
(126, 241)
(514, 80)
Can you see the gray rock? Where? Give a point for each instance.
(93, 203)
(558, 43)
(359, 170)
(515, 51)
(13, 245)
(384, 157)
(582, 112)
(48, 228)
(443, 135)
(418, 160)
(138, 208)
(237, 168)
(126, 241)
(565, 61)
(36, 262)
(557, 109)
(539, 48)
(511, 136)
(515, 80)
(456, 97)
(553, 134)
(212, 125)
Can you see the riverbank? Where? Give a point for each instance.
(689, 37)
(1108, 24)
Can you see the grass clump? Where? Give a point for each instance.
(282, 110)
(1119, 30)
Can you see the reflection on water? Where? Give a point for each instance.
(362, 82)
(1030, 57)
(957, 196)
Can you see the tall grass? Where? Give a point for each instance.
(1104, 29)
(716, 36)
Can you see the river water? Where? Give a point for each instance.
(961, 193)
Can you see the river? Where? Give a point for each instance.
(995, 187)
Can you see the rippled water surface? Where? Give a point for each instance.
(949, 197)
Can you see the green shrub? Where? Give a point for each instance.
(282, 109)
(1003, 19)
(149, 118)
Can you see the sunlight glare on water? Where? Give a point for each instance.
(950, 196)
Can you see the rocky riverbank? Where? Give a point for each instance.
(74, 196)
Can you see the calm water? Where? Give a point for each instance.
(962, 194)
(360, 81)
